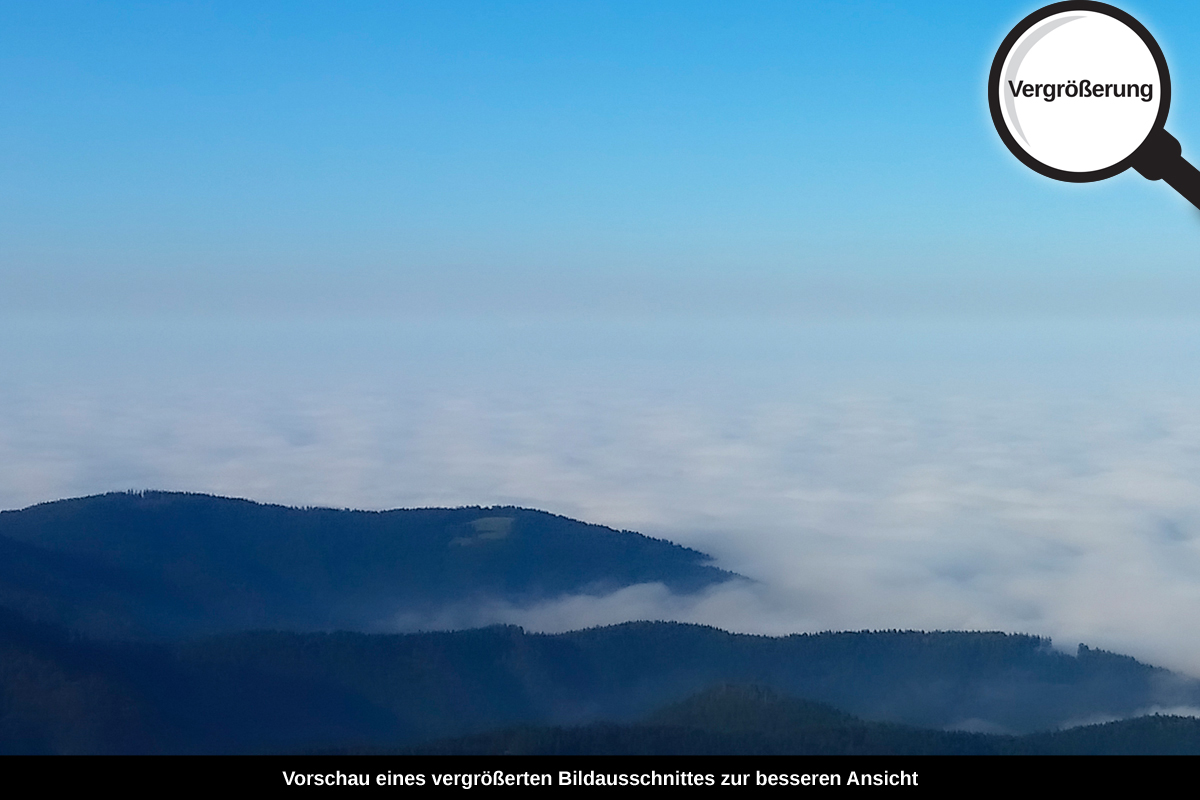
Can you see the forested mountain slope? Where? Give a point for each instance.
(272, 692)
(166, 565)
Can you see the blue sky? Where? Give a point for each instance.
(610, 158)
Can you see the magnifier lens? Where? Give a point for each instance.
(1079, 91)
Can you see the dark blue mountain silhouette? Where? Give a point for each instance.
(159, 622)
(164, 564)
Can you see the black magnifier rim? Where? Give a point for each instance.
(998, 65)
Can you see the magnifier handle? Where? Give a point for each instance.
(1161, 158)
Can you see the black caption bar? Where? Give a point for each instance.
(563, 775)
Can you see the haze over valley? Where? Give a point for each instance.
(1024, 476)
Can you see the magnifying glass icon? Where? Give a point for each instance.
(1079, 91)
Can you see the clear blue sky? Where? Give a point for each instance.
(608, 157)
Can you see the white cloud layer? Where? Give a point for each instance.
(1042, 480)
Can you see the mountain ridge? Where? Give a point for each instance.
(753, 720)
(173, 622)
(301, 692)
(163, 564)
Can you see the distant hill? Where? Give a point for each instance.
(183, 623)
(159, 564)
(292, 692)
(751, 720)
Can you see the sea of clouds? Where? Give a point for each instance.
(1018, 475)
